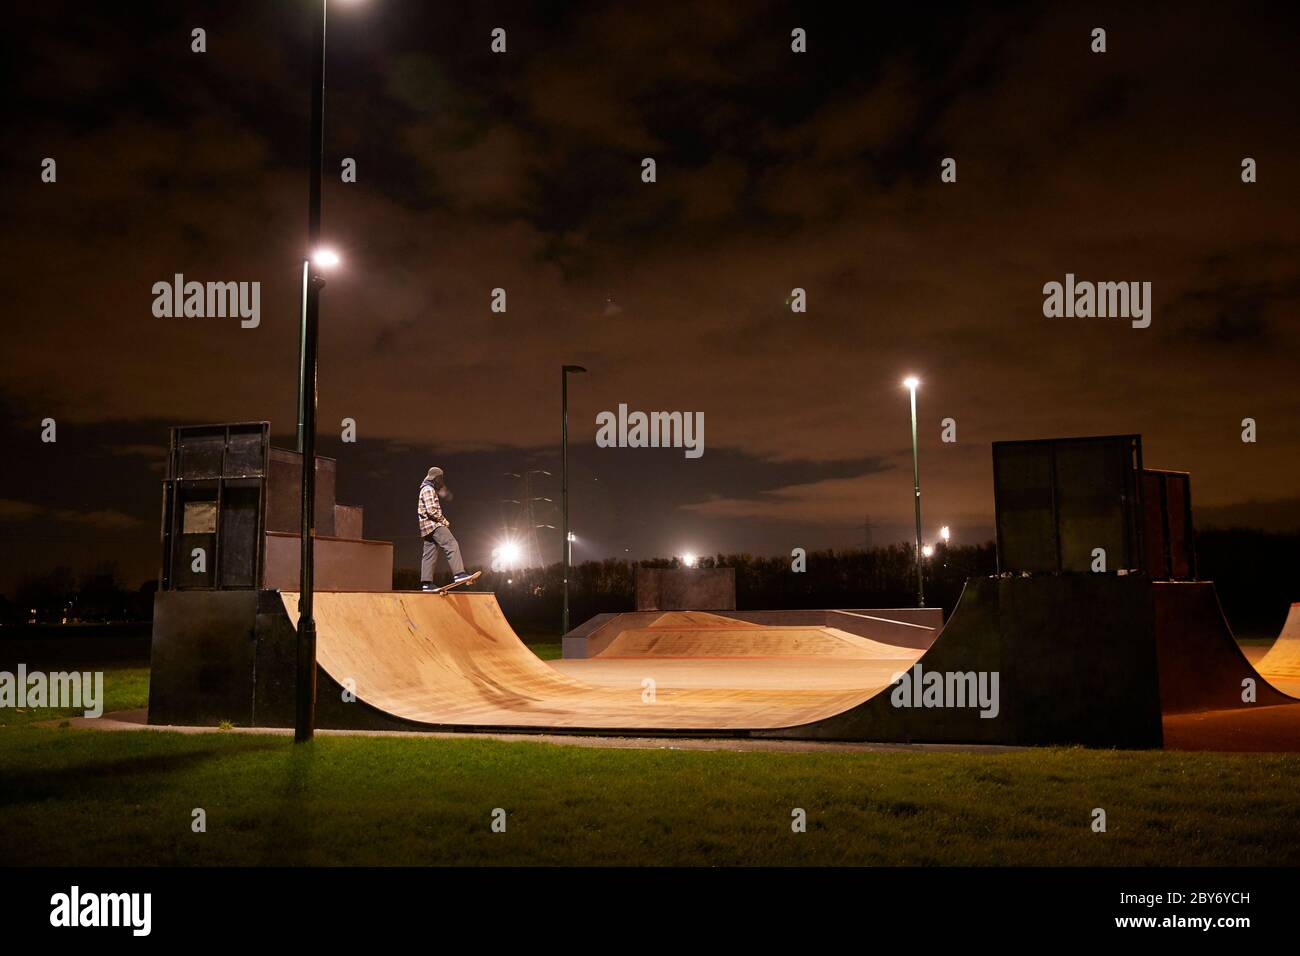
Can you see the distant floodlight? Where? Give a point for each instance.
(911, 382)
(689, 559)
(572, 536)
(325, 258)
(927, 551)
(506, 556)
(945, 533)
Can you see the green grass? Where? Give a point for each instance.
(125, 688)
(88, 797)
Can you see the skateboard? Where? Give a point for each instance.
(455, 584)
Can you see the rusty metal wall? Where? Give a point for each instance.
(284, 493)
(340, 564)
(1167, 521)
(348, 521)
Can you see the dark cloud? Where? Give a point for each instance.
(775, 171)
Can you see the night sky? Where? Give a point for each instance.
(775, 170)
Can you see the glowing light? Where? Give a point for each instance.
(689, 559)
(927, 551)
(911, 382)
(325, 258)
(507, 556)
(945, 533)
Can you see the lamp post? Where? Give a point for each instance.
(564, 483)
(912, 382)
(304, 723)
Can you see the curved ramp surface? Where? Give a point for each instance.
(1067, 659)
(1202, 667)
(1283, 658)
(453, 660)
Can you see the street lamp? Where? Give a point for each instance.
(304, 724)
(564, 482)
(325, 258)
(911, 383)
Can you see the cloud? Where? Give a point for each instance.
(105, 519)
(11, 510)
(820, 174)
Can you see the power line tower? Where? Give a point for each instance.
(525, 524)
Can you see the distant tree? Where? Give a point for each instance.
(46, 596)
(101, 596)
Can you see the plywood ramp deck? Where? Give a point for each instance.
(1283, 658)
(740, 639)
(454, 660)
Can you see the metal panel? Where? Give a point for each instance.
(192, 498)
(202, 659)
(1182, 534)
(1155, 524)
(201, 451)
(213, 500)
(284, 493)
(239, 543)
(1093, 502)
(1058, 500)
(245, 453)
(1025, 502)
(1167, 519)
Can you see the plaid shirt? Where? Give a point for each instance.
(430, 510)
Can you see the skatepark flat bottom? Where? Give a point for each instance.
(828, 674)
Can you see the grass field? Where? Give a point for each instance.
(88, 797)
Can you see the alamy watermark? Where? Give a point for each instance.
(63, 690)
(651, 430)
(75, 908)
(947, 689)
(208, 300)
(1102, 300)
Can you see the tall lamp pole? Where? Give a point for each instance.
(304, 724)
(912, 382)
(564, 483)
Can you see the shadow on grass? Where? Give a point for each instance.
(47, 784)
(289, 839)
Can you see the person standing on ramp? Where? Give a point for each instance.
(435, 530)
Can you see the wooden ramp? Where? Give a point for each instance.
(1283, 658)
(453, 660)
(724, 638)
(1068, 659)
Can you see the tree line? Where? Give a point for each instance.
(1255, 573)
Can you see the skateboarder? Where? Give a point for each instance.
(436, 531)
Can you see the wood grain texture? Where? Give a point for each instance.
(453, 659)
(1283, 658)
